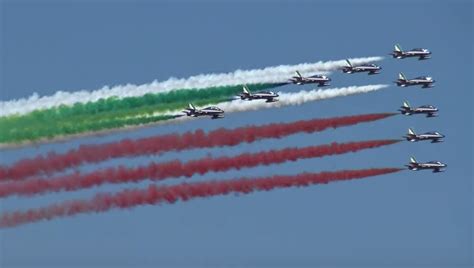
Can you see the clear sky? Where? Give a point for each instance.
(407, 219)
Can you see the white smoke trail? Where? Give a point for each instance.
(298, 98)
(284, 99)
(276, 74)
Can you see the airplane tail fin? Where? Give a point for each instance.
(413, 160)
(246, 89)
(348, 63)
(411, 131)
(398, 48)
(401, 76)
(406, 104)
(191, 106)
(298, 74)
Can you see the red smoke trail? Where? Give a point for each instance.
(169, 194)
(176, 168)
(53, 162)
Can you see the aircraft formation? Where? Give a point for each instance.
(371, 69)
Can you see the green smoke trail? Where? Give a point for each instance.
(71, 128)
(109, 114)
(114, 107)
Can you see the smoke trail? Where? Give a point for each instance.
(52, 162)
(297, 98)
(114, 107)
(276, 74)
(53, 128)
(176, 168)
(49, 131)
(109, 113)
(154, 194)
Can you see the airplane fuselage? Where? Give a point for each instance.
(321, 80)
(425, 83)
(430, 112)
(435, 166)
(433, 137)
(269, 96)
(213, 112)
(371, 69)
(420, 54)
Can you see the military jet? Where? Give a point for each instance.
(433, 136)
(421, 53)
(436, 166)
(423, 81)
(429, 110)
(269, 96)
(370, 68)
(321, 80)
(212, 111)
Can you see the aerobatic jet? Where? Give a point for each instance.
(212, 111)
(429, 110)
(370, 68)
(269, 96)
(436, 166)
(433, 136)
(423, 81)
(421, 53)
(321, 80)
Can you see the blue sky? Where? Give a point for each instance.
(407, 219)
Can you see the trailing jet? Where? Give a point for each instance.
(434, 136)
(436, 166)
(321, 80)
(421, 53)
(370, 68)
(429, 110)
(265, 95)
(424, 81)
(212, 111)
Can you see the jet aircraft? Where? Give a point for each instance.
(212, 111)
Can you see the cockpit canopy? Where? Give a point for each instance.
(423, 78)
(427, 106)
(213, 108)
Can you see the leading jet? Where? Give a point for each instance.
(212, 111)
(423, 81)
(421, 53)
(370, 68)
(433, 136)
(321, 80)
(429, 110)
(269, 96)
(436, 166)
